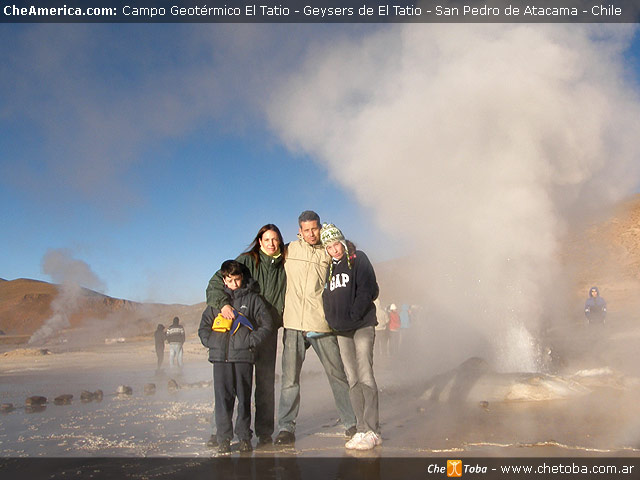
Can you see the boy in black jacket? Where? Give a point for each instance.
(232, 352)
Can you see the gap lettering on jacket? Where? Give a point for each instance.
(338, 280)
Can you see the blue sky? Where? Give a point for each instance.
(91, 164)
(145, 151)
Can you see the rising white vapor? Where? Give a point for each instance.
(72, 274)
(479, 145)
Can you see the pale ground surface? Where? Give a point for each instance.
(603, 419)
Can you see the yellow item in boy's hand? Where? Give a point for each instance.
(221, 324)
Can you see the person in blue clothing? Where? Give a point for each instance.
(595, 308)
(348, 297)
(405, 322)
(232, 348)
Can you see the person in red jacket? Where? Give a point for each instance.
(394, 329)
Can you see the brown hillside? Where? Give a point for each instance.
(607, 254)
(25, 305)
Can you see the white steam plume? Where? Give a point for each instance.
(72, 274)
(479, 144)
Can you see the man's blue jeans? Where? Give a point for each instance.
(326, 347)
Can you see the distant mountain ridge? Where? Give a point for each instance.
(606, 254)
(25, 305)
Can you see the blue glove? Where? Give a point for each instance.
(317, 334)
(240, 320)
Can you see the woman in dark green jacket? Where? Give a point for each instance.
(264, 262)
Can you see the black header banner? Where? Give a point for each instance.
(319, 11)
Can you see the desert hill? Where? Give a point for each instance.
(607, 254)
(26, 305)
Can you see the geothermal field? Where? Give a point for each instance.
(454, 387)
(447, 390)
(587, 407)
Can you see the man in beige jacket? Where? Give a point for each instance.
(306, 265)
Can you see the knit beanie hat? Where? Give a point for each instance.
(330, 233)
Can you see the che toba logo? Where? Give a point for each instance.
(454, 468)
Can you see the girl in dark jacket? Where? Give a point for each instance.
(348, 297)
(232, 348)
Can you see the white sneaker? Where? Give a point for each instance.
(368, 441)
(351, 444)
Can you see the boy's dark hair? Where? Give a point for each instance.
(308, 216)
(230, 267)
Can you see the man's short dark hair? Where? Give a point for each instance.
(230, 267)
(308, 216)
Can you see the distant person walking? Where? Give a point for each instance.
(175, 338)
(349, 292)
(595, 308)
(160, 338)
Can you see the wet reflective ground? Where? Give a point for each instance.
(168, 423)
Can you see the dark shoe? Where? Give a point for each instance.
(245, 446)
(350, 432)
(285, 438)
(224, 447)
(213, 442)
(264, 441)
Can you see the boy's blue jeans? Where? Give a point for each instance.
(293, 355)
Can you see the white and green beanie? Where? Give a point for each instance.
(330, 233)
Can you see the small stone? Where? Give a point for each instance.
(35, 400)
(173, 386)
(63, 399)
(98, 395)
(86, 396)
(124, 390)
(150, 389)
(6, 408)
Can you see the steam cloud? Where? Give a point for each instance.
(72, 274)
(479, 145)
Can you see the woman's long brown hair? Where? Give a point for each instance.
(254, 247)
